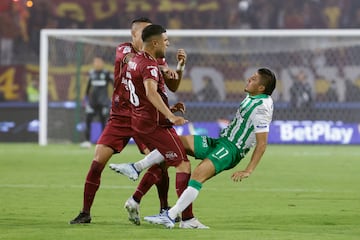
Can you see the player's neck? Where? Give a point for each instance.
(136, 48)
(150, 53)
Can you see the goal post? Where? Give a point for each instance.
(219, 62)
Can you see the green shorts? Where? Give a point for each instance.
(220, 151)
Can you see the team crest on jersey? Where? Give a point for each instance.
(153, 71)
(132, 65)
(171, 155)
(126, 49)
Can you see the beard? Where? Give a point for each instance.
(159, 54)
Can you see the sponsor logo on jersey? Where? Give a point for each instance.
(204, 142)
(171, 155)
(98, 83)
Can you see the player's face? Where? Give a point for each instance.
(161, 45)
(254, 85)
(98, 64)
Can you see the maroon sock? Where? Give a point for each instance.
(163, 189)
(151, 177)
(92, 184)
(182, 180)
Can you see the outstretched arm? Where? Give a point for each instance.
(261, 143)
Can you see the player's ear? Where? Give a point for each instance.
(155, 42)
(262, 88)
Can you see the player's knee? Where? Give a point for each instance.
(184, 166)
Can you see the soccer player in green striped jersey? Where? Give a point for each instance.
(249, 127)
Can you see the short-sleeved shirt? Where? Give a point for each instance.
(97, 88)
(253, 116)
(145, 117)
(120, 105)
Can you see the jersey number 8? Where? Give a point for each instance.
(134, 99)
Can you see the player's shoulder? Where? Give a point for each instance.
(268, 101)
(162, 62)
(124, 48)
(267, 105)
(143, 58)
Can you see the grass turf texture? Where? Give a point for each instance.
(297, 192)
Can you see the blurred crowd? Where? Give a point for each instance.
(21, 22)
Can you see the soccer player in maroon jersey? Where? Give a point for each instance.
(151, 117)
(118, 132)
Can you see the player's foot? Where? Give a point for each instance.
(85, 144)
(133, 210)
(162, 219)
(81, 218)
(192, 223)
(178, 217)
(126, 169)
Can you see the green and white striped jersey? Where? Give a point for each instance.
(253, 116)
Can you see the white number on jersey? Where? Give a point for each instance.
(134, 99)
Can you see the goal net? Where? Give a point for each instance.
(219, 62)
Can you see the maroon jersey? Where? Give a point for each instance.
(145, 117)
(120, 105)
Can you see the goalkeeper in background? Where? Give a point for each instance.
(97, 100)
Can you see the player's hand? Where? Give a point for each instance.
(177, 120)
(169, 73)
(181, 56)
(178, 107)
(239, 175)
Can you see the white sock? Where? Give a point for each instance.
(154, 157)
(186, 198)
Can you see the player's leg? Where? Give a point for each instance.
(112, 140)
(169, 145)
(157, 174)
(162, 187)
(188, 143)
(204, 171)
(132, 170)
(102, 154)
(217, 157)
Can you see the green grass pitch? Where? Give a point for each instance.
(297, 192)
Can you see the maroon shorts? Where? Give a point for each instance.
(167, 142)
(117, 134)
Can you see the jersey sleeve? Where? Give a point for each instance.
(149, 70)
(262, 118)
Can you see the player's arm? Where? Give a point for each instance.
(261, 143)
(173, 78)
(155, 98)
